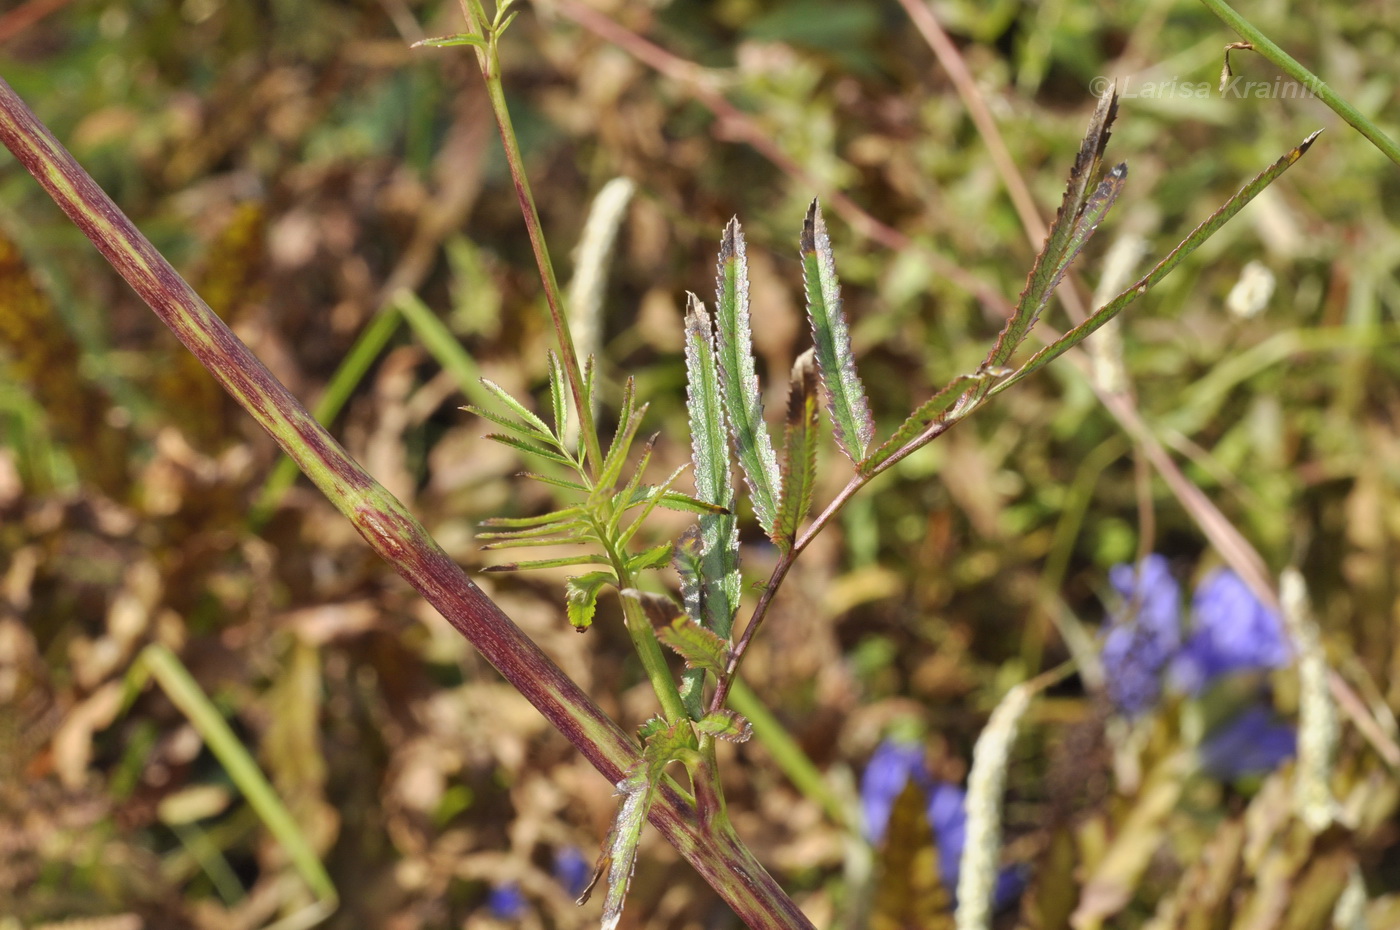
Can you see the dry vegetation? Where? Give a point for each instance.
(301, 165)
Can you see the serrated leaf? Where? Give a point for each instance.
(663, 743)
(523, 429)
(654, 557)
(525, 414)
(621, 500)
(799, 467)
(529, 448)
(554, 516)
(581, 597)
(548, 563)
(558, 393)
(620, 856)
(845, 394)
(930, 413)
(660, 609)
(558, 527)
(626, 535)
(699, 647)
(738, 381)
(726, 725)
(553, 482)
(1052, 261)
(716, 581)
(708, 440)
(628, 422)
(464, 38)
(1188, 245)
(680, 502)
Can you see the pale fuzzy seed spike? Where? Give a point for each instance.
(1317, 715)
(977, 877)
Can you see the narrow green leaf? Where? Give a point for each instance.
(1188, 245)
(523, 429)
(727, 725)
(553, 482)
(663, 744)
(554, 516)
(684, 503)
(555, 528)
(845, 394)
(933, 411)
(799, 465)
(581, 536)
(621, 498)
(581, 597)
(1050, 264)
(564, 561)
(620, 856)
(628, 422)
(656, 498)
(529, 448)
(738, 381)
(558, 393)
(699, 647)
(654, 557)
(708, 441)
(519, 409)
(464, 38)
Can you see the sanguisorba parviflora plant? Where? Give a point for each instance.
(603, 509)
(605, 504)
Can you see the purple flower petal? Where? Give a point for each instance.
(1144, 636)
(572, 870)
(1252, 743)
(889, 770)
(506, 902)
(1233, 632)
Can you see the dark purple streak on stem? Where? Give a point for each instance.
(379, 517)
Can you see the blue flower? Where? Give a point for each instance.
(1232, 632)
(572, 870)
(1253, 742)
(891, 767)
(1144, 636)
(506, 902)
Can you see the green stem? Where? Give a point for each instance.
(787, 753)
(1264, 46)
(379, 517)
(491, 71)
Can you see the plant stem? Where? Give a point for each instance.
(381, 519)
(1264, 46)
(489, 59)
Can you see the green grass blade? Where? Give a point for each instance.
(799, 465)
(1188, 245)
(845, 394)
(184, 692)
(738, 380)
(353, 368)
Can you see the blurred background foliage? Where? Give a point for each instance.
(302, 165)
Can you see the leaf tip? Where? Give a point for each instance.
(731, 244)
